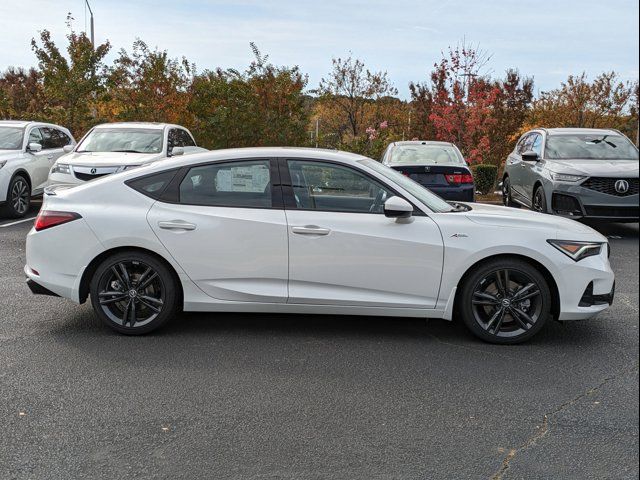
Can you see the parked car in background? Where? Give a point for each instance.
(581, 173)
(27, 152)
(115, 147)
(308, 231)
(438, 166)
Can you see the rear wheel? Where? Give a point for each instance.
(539, 201)
(505, 301)
(18, 198)
(133, 293)
(507, 198)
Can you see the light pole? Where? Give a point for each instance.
(93, 41)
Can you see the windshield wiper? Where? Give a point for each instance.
(604, 139)
(127, 151)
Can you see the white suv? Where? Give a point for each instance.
(27, 152)
(115, 147)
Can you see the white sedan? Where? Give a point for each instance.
(308, 231)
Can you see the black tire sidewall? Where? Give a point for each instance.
(478, 274)
(540, 190)
(170, 286)
(7, 210)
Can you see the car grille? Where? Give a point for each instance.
(619, 212)
(608, 186)
(87, 176)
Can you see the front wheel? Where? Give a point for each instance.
(18, 198)
(505, 301)
(540, 201)
(133, 293)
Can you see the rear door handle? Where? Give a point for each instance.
(310, 230)
(176, 225)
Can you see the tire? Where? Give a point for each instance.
(539, 201)
(507, 198)
(18, 198)
(502, 315)
(133, 293)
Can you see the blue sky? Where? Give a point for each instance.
(544, 39)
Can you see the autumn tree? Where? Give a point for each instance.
(21, 94)
(261, 106)
(350, 87)
(71, 85)
(148, 85)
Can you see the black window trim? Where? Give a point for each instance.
(129, 183)
(171, 194)
(289, 196)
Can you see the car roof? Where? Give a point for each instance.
(581, 131)
(155, 125)
(421, 142)
(28, 123)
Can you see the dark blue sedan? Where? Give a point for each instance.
(438, 166)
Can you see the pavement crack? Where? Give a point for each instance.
(543, 429)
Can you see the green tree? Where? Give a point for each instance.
(72, 85)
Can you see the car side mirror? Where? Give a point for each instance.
(67, 148)
(34, 147)
(176, 151)
(396, 207)
(530, 156)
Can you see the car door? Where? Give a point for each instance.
(531, 170)
(226, 227)
(39, 162)
(516, 168)
(343, 250)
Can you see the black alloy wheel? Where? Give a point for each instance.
(506, 301)
(539, 201)
(133, 293)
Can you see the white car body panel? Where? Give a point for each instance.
(248, 259)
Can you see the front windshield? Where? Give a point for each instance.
(431, 200)
(590, 147)
(422, 154)
(131, 140)
(11, 138)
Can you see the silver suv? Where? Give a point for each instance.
(574, 172)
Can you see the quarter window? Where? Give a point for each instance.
(335, 188)
(153, 185)
(237, 184)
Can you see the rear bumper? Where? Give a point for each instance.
(462, 193)
(38, 289)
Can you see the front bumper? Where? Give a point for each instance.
(578, 202)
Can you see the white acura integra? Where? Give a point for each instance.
(308, 231)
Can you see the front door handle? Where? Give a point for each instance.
(176, 225)
(310, 230)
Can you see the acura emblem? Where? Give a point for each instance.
(93, 171)
(622, 186)
(427, 169)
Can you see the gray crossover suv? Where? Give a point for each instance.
(575, 172)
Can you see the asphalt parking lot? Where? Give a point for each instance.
(309, 397)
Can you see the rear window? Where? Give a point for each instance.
(153, 185)
(426, 154)
(590, 147)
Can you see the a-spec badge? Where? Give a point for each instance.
(459, 235)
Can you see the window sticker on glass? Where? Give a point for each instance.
(252, 179)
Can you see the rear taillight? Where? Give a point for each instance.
(50, 218)
(458, 179)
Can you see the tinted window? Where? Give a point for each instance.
(48, 138)
(11, 138)
(590, 147)
(152, 185)
(330, 187)
(425, 154)
(180, 138)
(60, 138)
(237, 184)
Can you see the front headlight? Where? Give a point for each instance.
(565, 177)
(577, 250)
(61, 168)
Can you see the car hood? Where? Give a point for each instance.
(564, 228)
(8, 154)
(595, 168)
(108, 159)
